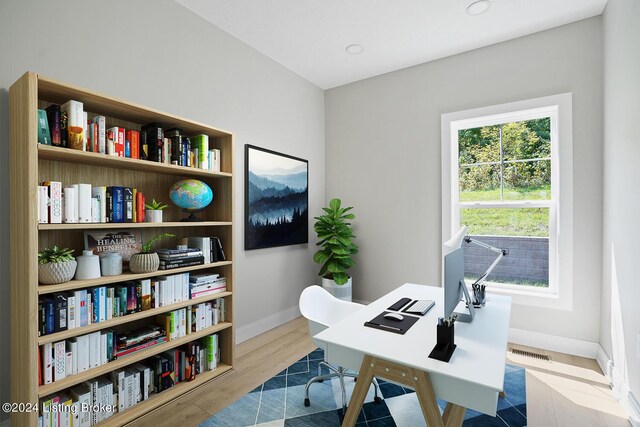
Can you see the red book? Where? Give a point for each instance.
(139, 347)
(120, 143)
(140, 206)
(133, 136)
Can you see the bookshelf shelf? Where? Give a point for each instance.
(74, 156)
(58, 336)
(81, 284)
(32, 163)
(44, 390)
(159, 399)
(121, 225)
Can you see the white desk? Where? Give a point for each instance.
(472, 378)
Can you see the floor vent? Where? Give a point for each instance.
(530, 354)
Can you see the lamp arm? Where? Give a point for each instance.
(501, 254)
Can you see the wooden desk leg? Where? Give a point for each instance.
(453, 415)
(419, 380)
(365, 376)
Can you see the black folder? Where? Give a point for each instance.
(389, 325)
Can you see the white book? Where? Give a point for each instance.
(70, 198)
(130, 388)
(100, 193)
(69, 363)
(103, 347)
(183, 322)
(59, 361)
(75, 125)
(155, 302)
(189, 319)
(55, 202)
(47, 362)
(83, 353)
(118, 379)
(105, 388)
(43, 204)
(95, 210)
(84, 203)
(146, 289)
(100, 121)
(203, 243)
(109, 307)
(72, 348)
(72, 311)
(214, 160)
(177, 288)
(145, 379)
(94, 349)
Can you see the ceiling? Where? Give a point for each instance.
(309, 37)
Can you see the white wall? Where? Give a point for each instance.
(620, 326)
(383, 157)
(159, 54)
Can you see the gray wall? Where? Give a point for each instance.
(159, 54)
(383, 157)
(620, 326)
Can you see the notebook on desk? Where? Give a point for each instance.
(395, 326)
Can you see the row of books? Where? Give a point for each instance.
(68, 125)
(211, 248)
(195, 318)
(84, 203)
(99, 398)
(82, 307)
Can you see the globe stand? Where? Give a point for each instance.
(192, 215)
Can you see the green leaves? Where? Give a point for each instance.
(146, 247)
(155, 206)
(54, 255)
(335, 236)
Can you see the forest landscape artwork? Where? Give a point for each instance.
(276, 199)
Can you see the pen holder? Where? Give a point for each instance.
(479, 297)
(445, 344)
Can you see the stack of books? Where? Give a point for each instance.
(134, 341)
(206, 284)
(176, 258)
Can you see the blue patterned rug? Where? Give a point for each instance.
(280, 402)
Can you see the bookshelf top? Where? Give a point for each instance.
(57, 92)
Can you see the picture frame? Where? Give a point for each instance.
(276, 199)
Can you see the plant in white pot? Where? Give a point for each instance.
(335, 236)
(56, 265)
(147, 261)
(153, 213)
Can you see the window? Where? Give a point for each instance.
(504, 177)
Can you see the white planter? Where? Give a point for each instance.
(342, 292)
(152, 215)
(57, 272)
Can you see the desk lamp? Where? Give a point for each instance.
(478, 286)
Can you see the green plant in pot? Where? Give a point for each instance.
(147, 261)
(56, 265)
(153, 212)
(335, 237)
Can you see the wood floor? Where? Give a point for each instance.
(565, 391)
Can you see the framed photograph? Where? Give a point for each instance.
(276, 199)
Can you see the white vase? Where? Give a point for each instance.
(88, 266)
(151, 215)
(342, 292)
(56, 272)
(111, 264)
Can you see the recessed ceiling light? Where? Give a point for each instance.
(354, 49)
(478, 7)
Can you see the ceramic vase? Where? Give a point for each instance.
(88, 266)
(111, 264)
(151, 215)
(144, 263)
(56, 272)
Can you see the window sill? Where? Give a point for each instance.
(525, 295)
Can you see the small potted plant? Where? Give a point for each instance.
(147, 261)
(336, 239)
(56, 265)
(153, 213)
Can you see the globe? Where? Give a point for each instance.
(191, 195)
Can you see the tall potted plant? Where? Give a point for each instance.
(335, 237)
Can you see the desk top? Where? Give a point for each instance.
(478, 359)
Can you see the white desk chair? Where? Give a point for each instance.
(322, 310)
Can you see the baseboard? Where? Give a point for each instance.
(605, 363)
(554, 343)
(254, 329)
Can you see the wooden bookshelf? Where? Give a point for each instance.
(81, 284)
(31, 163)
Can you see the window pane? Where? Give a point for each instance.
(530, 222)
(526, 140)
(479, 183)
(527, 180)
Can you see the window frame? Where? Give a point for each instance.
(560, 290)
